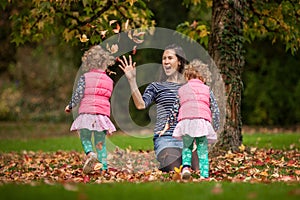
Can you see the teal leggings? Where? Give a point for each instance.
(99, 144)
(202, 151)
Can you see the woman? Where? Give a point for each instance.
(163, 93)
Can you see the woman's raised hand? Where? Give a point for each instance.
(128, 67)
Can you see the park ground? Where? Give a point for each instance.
(40, 156)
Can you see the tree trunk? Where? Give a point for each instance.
(226, 49)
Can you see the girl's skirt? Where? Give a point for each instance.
(195, 128)
(93, 122)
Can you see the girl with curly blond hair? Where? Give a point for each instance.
(197, 114)
(92, 94)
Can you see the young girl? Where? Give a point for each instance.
(93, 92)
(195, 110)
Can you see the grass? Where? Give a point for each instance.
(170, 190)
(72, 142)
(272, 140)
(69, 143)
(52, 137)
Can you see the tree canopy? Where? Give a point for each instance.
(275, 20)
(88, 20)
(33, 20)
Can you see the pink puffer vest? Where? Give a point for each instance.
(98, 89)
(194, 99)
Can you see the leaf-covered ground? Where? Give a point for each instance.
(255, 165)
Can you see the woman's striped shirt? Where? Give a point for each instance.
(163, 94)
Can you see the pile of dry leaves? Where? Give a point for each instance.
(257, 165)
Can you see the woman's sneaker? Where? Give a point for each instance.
(186, 173)
(90, 162)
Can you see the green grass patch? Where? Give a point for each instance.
(276, 141)
(154, 190)
(70, 143)
(260, 140)
(66, 143)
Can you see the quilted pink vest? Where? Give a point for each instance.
(194, 100)
(98, 89)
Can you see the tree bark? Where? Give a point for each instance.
(226, 49)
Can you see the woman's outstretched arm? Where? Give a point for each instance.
(129, 69)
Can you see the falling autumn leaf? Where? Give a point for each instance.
(103, 33)
(126, 25)
(112, 22)
(134, 50)
(136, 36)
(113, 49)
(117, 29)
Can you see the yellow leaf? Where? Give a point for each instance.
(203, 33)
(40, 25)
(178, 170)
(131, 2)
(98, 166)
(242, 147)
(264, 173)
(84, 38)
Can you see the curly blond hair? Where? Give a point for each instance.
(196, 69)
(97, 58)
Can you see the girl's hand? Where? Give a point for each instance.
(167, 126)
(160, 133)
(67, 109)
(128, 67)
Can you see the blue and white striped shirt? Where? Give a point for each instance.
(163, 94)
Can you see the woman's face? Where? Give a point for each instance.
(170, 62)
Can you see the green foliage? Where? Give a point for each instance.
(277, 20)
(162, 15)
(271, 86)
(199, 28)
(35, 20)
(199, 32)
